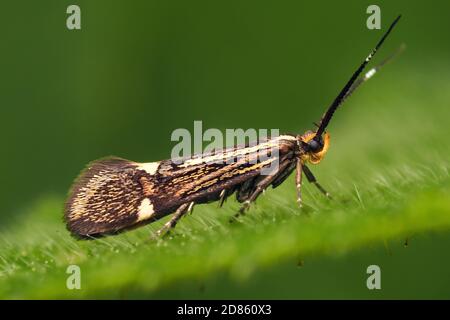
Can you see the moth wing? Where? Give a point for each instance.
(282, 176)
(105, 197)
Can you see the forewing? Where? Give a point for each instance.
(115, 194)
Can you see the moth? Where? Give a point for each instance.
(113, 194)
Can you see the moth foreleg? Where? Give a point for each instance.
(298, 182)
(309, 175)
(181, 211)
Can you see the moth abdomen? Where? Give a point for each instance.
(110, 195)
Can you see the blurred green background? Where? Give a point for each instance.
(137, 70)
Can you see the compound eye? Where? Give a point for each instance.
(314, 146)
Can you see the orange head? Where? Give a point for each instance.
(315, 150)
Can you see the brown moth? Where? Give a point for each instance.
(113, 194)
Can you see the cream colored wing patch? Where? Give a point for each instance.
(145, 210)
(149, 167)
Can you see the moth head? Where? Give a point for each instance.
(315, 149)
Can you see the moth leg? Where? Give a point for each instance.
(284, 175)
(181, 211)
(298, 182)
(259, 188)
(309, 175)
(223, 197)
(190, 209)
(245, 190)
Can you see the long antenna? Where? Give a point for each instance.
(342, 95)
(369, 74)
